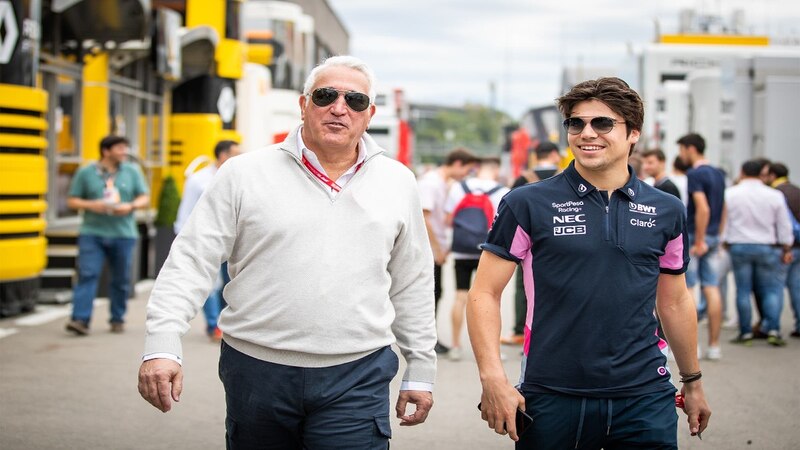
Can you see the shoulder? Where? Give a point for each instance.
(385, 166)
(658, 198)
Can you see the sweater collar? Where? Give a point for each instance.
(583, 187)
(291, 145)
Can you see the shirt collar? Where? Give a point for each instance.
(780, 181)
(312, 157)
(583, 188)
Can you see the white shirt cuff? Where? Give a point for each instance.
(416, 386)
(162, 355)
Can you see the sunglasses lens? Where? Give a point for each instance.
(602, 125)
(324, 96)
(574, 125)
(357, 101)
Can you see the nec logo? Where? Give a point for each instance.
(642, 209)
(572, 218)
(569, 230)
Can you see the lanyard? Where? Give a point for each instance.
(324, 178)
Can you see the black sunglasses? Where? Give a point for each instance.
(325, 96)
(601, 125)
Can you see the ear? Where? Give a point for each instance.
(302, 102)
(634, 137)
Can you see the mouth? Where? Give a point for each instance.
(336, 125)
(591, 148)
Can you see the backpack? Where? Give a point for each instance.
(472, 219)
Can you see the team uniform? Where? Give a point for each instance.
(590, 335)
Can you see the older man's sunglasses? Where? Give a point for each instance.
(355, 100)
(601, 125)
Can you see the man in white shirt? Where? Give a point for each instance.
(466, 263)
(759, 237)
(193, 188)
(433, 188)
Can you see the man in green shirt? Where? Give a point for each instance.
(108, 192)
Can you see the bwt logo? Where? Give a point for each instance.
(572, 218)
(642, 209)
(569, 230)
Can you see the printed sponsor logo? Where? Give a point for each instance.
(643, 223)
(567, 207)
(662, 370)
(582, 188)
(642, 209)
(569, 230)
(571, 218)
(630, 192)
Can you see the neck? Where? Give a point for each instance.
(607, 180)
(109, 164)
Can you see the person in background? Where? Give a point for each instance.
(706, 186)
(466, 261)
(433, 188)
(108, 192)
(779, 179)
(193, 188)
(654, 165)
(678, 176)
(759, 238)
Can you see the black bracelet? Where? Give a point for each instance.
(690, 377)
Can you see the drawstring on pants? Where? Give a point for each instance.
(580, 424)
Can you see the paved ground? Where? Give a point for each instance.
(63, 392)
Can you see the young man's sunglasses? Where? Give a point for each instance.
(325, 96)
(601, 125)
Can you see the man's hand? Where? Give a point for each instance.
(424, 402)
(699, 249)
(499, 404)
(123, 209)
(97, 206)
(695, 407)
(440, 256)
(161, 380)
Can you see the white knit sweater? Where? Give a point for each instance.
(315, 281)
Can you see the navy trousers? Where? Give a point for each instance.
(562, 422)
(272, 406)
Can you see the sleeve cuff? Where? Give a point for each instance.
(175, 358)
(416, 386)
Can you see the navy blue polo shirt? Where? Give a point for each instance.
(591, 266)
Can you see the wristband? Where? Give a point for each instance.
(690, 377)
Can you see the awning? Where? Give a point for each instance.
(198, 46)
(105, 20)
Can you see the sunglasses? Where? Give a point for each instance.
(601, 125)
(355, 100)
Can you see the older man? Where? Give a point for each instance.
(330, 264)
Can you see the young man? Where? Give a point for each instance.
(330, 265)
(108, 192)
(705, 212)
(759, 238)
(596, 245)
(467, 262)
(654, 164)
(433, 188)
(192, 190)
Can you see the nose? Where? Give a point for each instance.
(588, 132)
(339, 106)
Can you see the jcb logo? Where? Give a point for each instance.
(569, 230)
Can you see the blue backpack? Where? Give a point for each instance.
(472, 220)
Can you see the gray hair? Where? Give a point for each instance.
(342, 61)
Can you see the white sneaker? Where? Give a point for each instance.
(714, 353)
(454, 354)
